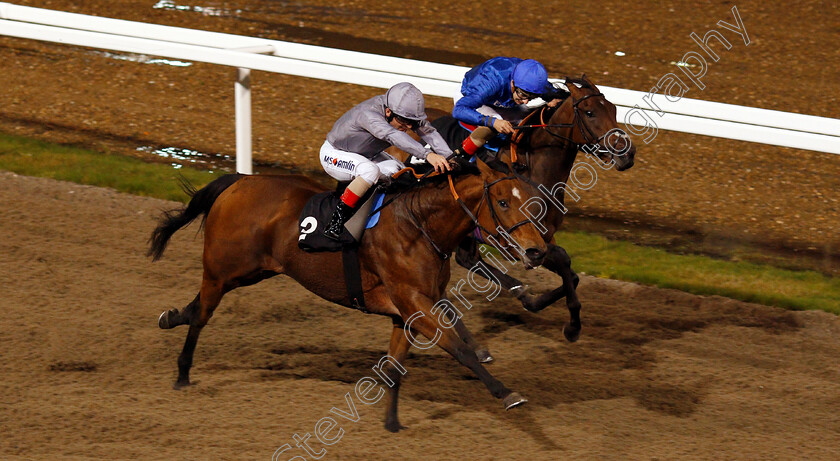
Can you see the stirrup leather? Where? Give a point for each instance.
(336, 226)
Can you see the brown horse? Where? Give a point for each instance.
(543, 153)
(251, 233)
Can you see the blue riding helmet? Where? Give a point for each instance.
(529, 75)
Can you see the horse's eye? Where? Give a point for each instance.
(503, 204)
(589, 113)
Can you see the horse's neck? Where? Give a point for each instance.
(550, 165)
(550, 161)
(549, 158)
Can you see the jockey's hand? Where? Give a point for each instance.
(459, 162)
(503, 126)
(554, 102)
(438, 162)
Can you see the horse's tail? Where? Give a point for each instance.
(200, 204)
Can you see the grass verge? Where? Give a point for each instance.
(593, 254)
(37, 158)
(759, 283)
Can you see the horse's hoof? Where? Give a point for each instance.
(163, 320)
(483, 355)
(519, 291)
(514, 400)
(394, 426)
(181, 384)
(571, 334)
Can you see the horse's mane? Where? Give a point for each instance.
(413, 195)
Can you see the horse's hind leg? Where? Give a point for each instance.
(209, 297)
(481, 352)
(173, 317)
(398, 349)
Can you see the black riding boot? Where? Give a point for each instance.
(342, 213)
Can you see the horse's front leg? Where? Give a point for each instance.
(467, 256)
(481, 352)
(398, 349)
(421, 320)
(173, 317)
(559, 262)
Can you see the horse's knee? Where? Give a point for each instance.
(465, 256)
(464, 353)
(562, 256)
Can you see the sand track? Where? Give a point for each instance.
(657, 374)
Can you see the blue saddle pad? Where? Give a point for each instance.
(377, 202)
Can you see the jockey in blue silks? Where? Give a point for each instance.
(496, 93)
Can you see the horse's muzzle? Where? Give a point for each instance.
(625, 160)
(624, 166)
(535, 257)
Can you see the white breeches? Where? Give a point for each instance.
(344, 166)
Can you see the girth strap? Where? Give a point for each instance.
(353, 276)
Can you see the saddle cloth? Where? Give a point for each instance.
(317, 212)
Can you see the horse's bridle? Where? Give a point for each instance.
(588, 136)
(485, 197)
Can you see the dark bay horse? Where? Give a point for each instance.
(251, 233)
(543, 153)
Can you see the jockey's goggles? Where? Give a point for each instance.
(522, 94)
(407, 121)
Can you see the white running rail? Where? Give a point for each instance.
(686, 115)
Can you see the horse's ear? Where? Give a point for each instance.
(484, 168)
(491, 163)
(569, 82)
(589, 82)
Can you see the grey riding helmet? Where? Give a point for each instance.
(405, 100)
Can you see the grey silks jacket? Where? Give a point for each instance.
(364, 130)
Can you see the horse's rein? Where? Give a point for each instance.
(484, 197)
(588, 136)
(418, 177)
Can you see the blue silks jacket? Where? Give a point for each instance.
(487, 84)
